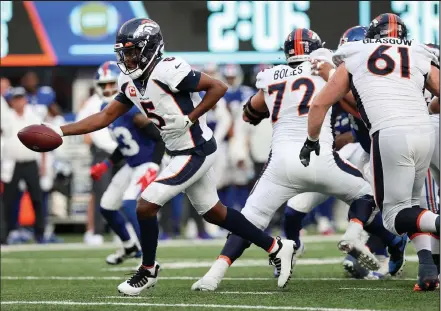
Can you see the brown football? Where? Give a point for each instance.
(39, 138)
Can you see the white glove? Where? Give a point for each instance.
(176, 125)
(55, 128)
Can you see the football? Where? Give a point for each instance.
(39, 138)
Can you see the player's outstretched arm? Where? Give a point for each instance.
(96, 121)
(332, 92)
(432, 82)
(214, 90)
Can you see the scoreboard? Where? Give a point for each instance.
(49, 33)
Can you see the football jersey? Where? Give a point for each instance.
(136, 148)
(387, 79)
(234, 97)
(41, 100)
(288, 93)
(158, 96)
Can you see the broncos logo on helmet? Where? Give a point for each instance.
(139, 44)
(299, 44)
(387, 25)
(356, 33)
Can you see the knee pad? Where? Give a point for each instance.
(406, 220)
(298, 203)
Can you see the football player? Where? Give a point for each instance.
(165, 89)
(141, 146)
(284, 95)
(386, 73)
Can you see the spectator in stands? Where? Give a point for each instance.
(20, 163)
(101, 147)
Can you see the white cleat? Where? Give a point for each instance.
(283, 260)
(299, 253)
(206, 283)
(122, 255)
(142, 279)
(360, 252)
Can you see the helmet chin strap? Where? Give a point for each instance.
(138, 72)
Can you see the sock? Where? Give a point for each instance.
(362, 208)
(428, 221)
(376, 245)
(149, 241)
(236, 223)
(293, 224)
(117, 223)
(422, 244)
(376, 227)
(219, 268)
(129, 208)
(234, 248)
(435, 250)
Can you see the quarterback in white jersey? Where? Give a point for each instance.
(167, 90)
(284, 95)
(387, 74)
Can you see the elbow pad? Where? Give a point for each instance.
(252, 114)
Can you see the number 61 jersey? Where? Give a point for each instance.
(288, 93)
(387, 78)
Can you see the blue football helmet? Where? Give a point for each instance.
(387, 25)
(299, 44)
(106, 74)
(356, 33)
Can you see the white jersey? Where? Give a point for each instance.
(288, 93)
(387, 79)
(159, 96)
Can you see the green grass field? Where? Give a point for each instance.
(73, 277)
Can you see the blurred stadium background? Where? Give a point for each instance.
(63, 42)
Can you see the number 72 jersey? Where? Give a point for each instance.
(387, 79)
(288, 93)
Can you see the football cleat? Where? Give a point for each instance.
(283, 260)
(123, 254)
(142, 279)
(397, 257)
(206, 283)
(353, 268)
(427, 278)
(299, 253)
(360, 252)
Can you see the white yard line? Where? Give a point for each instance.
(174, 278)
(371, 288)
(187, 264)
(180, 305)
(164, 244)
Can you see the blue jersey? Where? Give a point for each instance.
(235, 97)
(361, 133)
(41, 100)
(133, 144)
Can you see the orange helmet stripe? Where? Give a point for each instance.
(298, 39)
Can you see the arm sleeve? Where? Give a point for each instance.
(190, 82)
(122, 98)
(151, 131)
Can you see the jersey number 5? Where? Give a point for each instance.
(380, 53)
(303, 107)
(157, 120)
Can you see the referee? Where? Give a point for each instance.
(20, 163)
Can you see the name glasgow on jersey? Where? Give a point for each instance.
(389, 41)
(283, 73)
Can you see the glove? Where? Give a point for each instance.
(308, 147)
(149, 176)
(176, 125)
(99, 169)
(55, 128)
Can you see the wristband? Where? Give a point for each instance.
(312, 139)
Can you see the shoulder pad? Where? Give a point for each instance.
(171, 71)
(427, 52)
(262, 78)
(323, 55)
(122, 82)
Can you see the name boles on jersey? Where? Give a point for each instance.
(288, 93)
